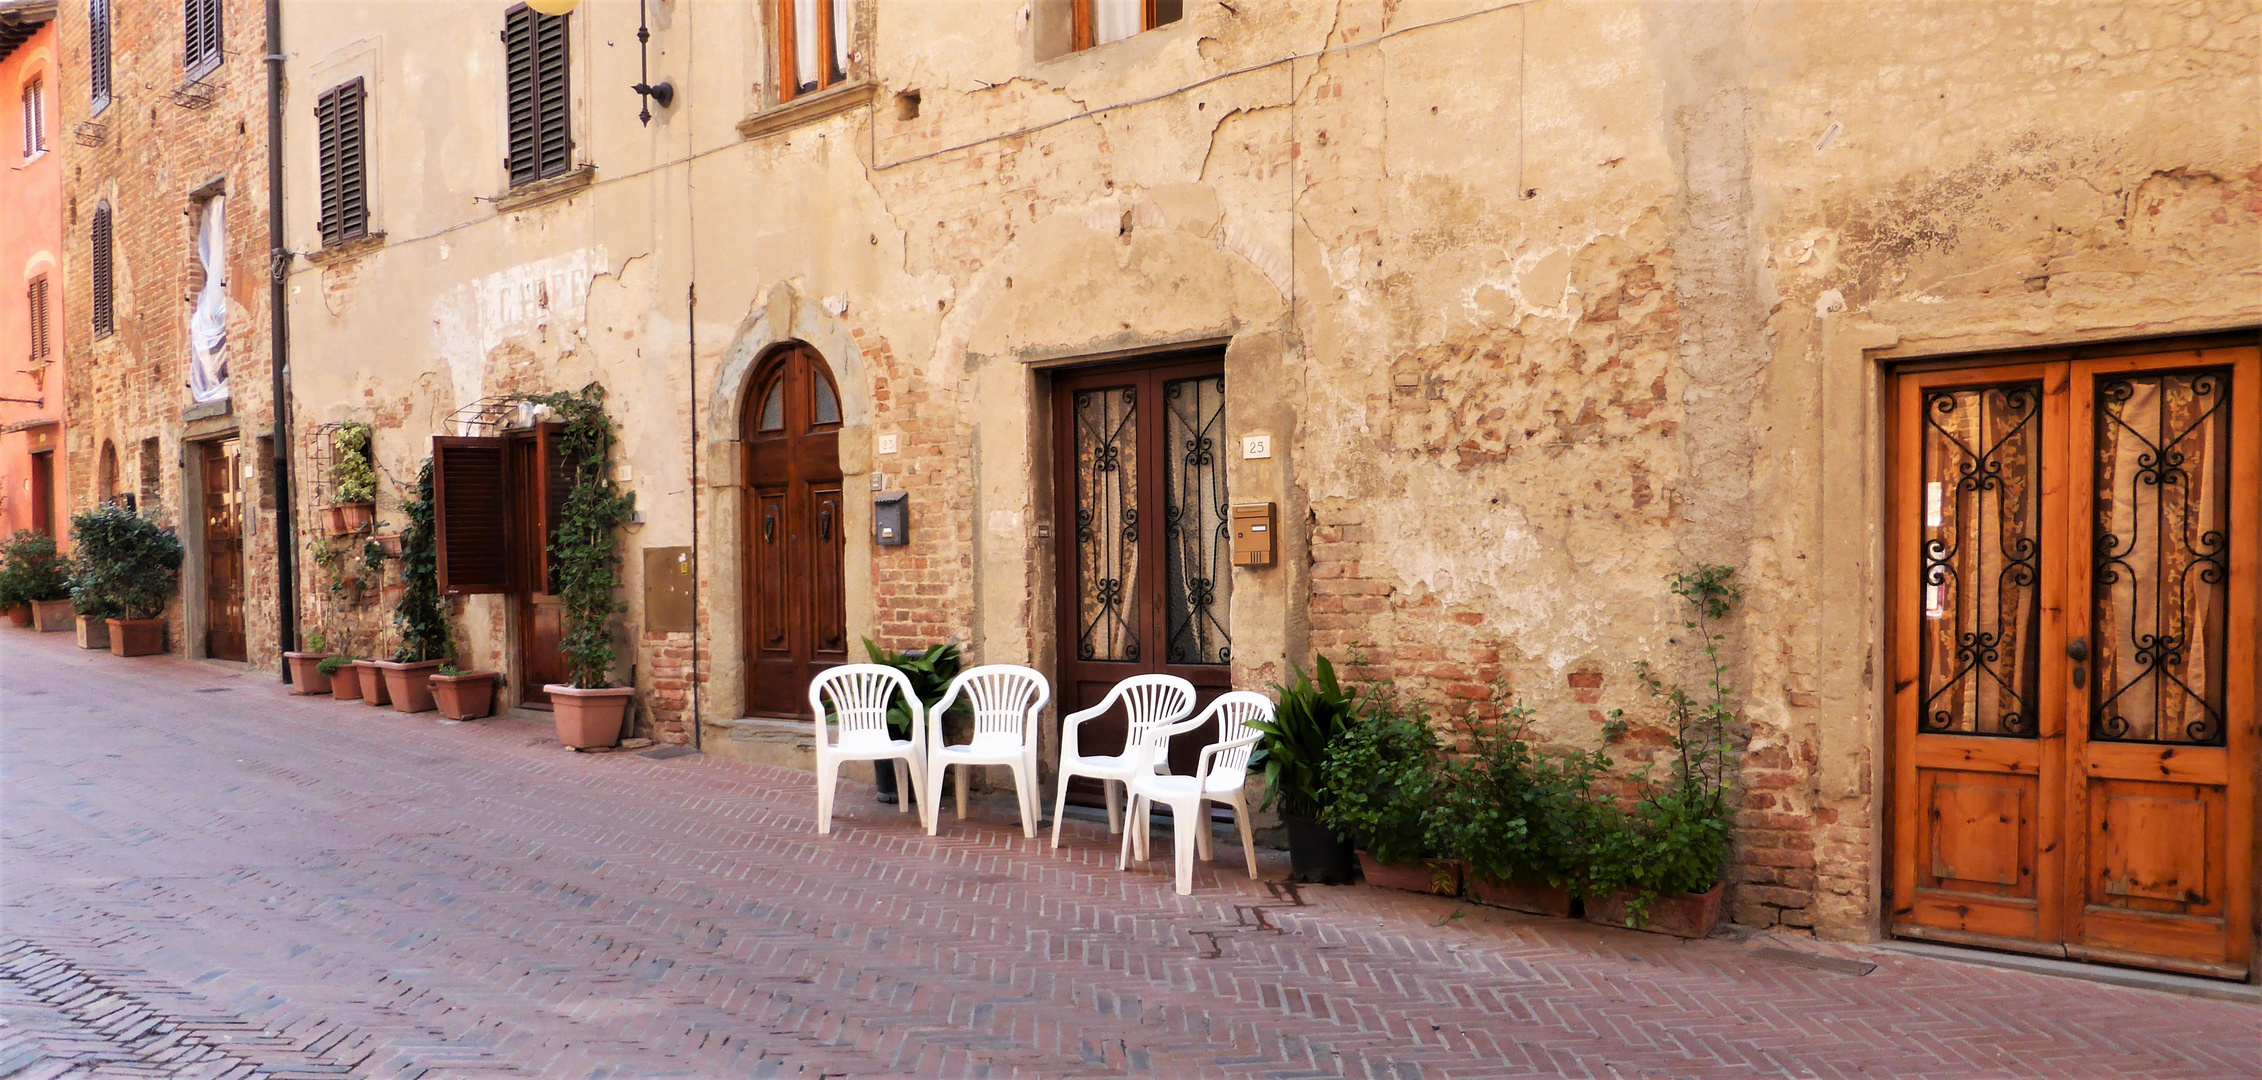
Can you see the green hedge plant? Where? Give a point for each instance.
(353, 471)
(1512, 810)
(32, 570)
(419, 616)
(1293, 747)
(1382, 778)
(123, 566)
(586, 547)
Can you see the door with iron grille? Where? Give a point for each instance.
(1143, 544)
(2074, 656)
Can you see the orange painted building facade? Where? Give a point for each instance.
(32, 479)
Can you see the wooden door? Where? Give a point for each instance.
(535, 496)
(1143, 544)
(43, 493)
(795, 529)
(220, 468)
(2074, 600)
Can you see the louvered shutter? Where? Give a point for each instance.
(37, 299)
(534, 47)
(105, 321)
(471, 514)
(340, 140)
(556, 145)
(98, 53)
(200, 27)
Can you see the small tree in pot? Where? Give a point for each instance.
(1292, 753)
(125, 566)
(35, 580)
(420, 616)
(586, 552)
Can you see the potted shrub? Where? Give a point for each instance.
(124, 565)
(344, 674)
(589, 710)
(1657, 865)
(930, 672)
(353, 481)
(1291, 752)
(422, 622)
(34, 576)
(464, 695)
(307, 676)
(1382, 782)
(1519, 819)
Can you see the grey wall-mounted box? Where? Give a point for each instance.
(891, 519)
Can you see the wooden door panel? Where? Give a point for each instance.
(2151, 847)
(796, 605)
(1979, 833)
(828, 594)
(223, 551)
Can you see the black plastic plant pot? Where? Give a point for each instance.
(1317, 855)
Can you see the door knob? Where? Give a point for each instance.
(2079, 650)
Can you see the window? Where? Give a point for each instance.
(535, 48)
(36, 298)
(105, 316)
(340, 142)
(200, 21)
(1099, 22)
(98, 53)
(813, 40)
(35, 117)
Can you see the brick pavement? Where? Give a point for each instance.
(205, 877)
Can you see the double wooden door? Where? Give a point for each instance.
(1143, 541)
(2074, 592)
(795, 532)
(220, 470)
(539, 484)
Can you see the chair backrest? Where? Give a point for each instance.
(858, 695)
(1005, 699)
(1234, 711)
(1152, 701)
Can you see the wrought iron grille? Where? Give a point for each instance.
(1979, 653)
(1107, 523)
(1197, 573)
(2160, 579)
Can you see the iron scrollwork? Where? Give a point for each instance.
(1197, 522)
(1981, 561)
(1107, 522)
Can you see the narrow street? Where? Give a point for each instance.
(206, 877)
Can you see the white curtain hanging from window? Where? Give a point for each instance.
(208, 326)
(808, 47)
(1114, 20)
(841, 11)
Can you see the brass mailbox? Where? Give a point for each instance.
(1254, 530)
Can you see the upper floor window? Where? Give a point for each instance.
(105, 318)
(201, 32)
(341, 140)
(1101, 21)
(813, 38)
(42, 342)
(534, 46)
(35, 117)
(98, 54)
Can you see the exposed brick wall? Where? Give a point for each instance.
(923, 592)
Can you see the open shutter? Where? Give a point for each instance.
(552, 129)
(105, 319)
(471, 514)
(556, 480)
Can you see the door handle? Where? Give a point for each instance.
(769, 528)
(825, 524)
(2078, 652)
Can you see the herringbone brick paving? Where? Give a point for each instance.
(205, 877)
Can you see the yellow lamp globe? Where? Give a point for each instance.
(552, 7)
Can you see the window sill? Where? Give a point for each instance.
(807, 109)
(535, 193)
(348, 251)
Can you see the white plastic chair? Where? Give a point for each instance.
(1218, 778)
(1006, 699)
(858, 695)
(1149, 701)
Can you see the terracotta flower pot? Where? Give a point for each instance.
(1689, 915)
(373, 688)
(345, 683)
(468, 696)
(1438, 877)
(93, 633)
(137, 637)
(20, 615)
(589, 718)
(1537, 897)
(357, 517)
(409, 685)
(51, 616)
(306, 672)
(1317, 854)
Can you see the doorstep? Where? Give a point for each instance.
(2165, 982)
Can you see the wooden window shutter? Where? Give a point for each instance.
(341, 139)
(105, 316)
(200, 26)
(471, 514)
(98, 53)
(536, 55)
(557, 482)
(36, 298)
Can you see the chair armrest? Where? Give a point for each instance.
(1210, 752)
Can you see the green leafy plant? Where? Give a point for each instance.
(1512, 811)
(586, 547)
(449, 670)
(930, 672)
(1381, 778)
(420, 618)
(1293, 746)
(31, 570)
(123, 566)
(317, 641)
(353, 472)
(330, 664)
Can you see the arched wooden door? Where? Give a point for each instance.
(796, 619)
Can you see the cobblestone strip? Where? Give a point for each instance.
(59, 1020)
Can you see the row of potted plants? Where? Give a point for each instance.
(113, 587)
(1478, 804)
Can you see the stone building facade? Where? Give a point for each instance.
(1519, 308)
(172, 134)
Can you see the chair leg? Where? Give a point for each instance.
(1248, 841)
(962, 771)
(1123, 857)
(1021, 800)
(931, 809)
(1059, 806)
(917, 770)
(828, 776)
(1145, 845)
(1181, 845)
(1205, 845)
(902, 768)
(1114, 807)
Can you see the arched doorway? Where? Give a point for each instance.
(796, 618)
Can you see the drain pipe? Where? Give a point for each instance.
(278, 343)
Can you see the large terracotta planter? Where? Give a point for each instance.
(20, 616)
(1317, 854)
(589, 718)
(346, 519)
(1537, 897)
(1438, 877)
(468, 696)
(409, 685)
(345, 683)
(373, 688)
(93, 633)
(1689, 915)
(137, 637)
(51, 616)
(306, 672)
